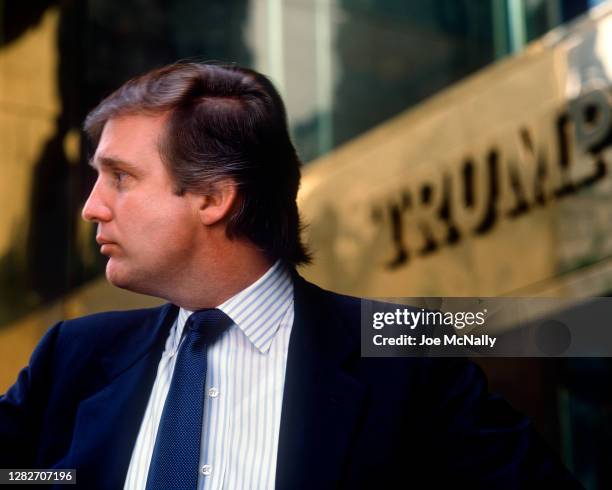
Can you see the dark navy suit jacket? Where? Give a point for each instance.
(347, 421)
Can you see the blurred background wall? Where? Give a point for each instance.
(389, 103)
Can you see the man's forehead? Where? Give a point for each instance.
(133, 126)
(128, 138)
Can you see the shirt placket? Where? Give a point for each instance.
(215, 406)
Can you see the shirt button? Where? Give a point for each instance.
(206, 469)
(213, 392)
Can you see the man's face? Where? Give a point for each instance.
(147, 231)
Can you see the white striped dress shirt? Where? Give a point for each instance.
(244, 390)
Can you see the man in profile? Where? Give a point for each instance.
(249, 377)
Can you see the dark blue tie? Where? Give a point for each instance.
(176, 455)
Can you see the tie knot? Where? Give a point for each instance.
(208, 324)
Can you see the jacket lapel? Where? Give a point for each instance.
(321, 401)
(108, 422)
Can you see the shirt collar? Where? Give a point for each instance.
(257, 310)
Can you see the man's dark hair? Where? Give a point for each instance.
(224, 121)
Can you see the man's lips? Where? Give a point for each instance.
(105, 244)
(102, 240)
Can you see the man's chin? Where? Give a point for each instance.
(117, 280)
(124, 279)
(117, 277)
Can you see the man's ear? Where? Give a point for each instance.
(218, 203)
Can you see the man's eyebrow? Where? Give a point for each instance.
(111, 162)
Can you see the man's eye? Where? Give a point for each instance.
(119, 175)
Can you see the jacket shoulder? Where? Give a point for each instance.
(93, 334)
(345, 306)
(348, 309)
(108, 323)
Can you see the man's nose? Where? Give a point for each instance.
(95, 208)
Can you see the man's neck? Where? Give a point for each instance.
(221, 280)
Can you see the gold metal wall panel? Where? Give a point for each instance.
(499, 185)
